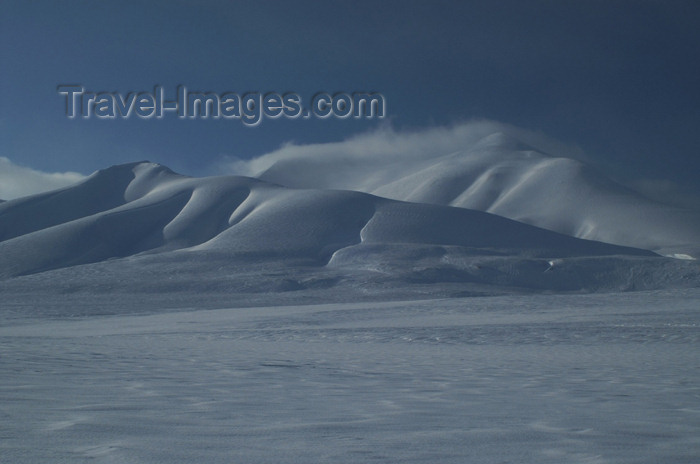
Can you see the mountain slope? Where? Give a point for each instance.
(500, 174)
(145, 208)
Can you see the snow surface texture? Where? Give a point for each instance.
(580, 379)
(497, 168)
(244, 233)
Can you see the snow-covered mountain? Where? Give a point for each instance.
(164, 223)
(501, 174)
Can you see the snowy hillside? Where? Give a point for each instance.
(500, 172)
(189, 228)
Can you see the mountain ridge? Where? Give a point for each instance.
(149, 208)
(144, 224)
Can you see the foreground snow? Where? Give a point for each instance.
(529, 379)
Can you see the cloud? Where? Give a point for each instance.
(361, 162)
(18, 181)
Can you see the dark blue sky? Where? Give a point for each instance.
(617, 78)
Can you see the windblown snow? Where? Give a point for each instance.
(502, 172)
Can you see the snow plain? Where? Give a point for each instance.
(597, 378)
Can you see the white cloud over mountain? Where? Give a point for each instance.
(18, 181)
